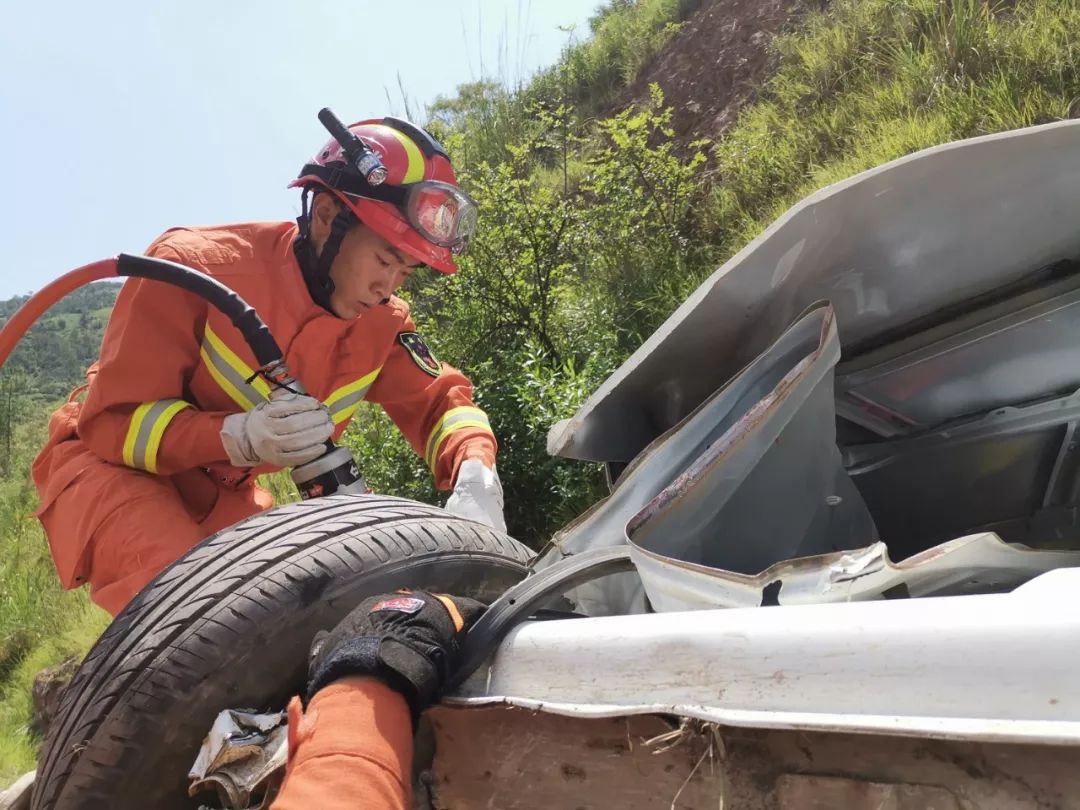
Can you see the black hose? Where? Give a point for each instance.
(243, 315)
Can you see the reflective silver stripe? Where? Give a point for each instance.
(148, 424)
(452, 420)
(343, 402)
(350, 401)
(231, 381)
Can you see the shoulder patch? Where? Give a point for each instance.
(420, 353)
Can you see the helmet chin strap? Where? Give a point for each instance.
(316, 267)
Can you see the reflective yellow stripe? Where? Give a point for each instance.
(453, 429)
(231, 373)
(238, 365)
(345, 390)
(438, 427)
(345, 400)
(449, 416)
(415, 172)
(453, 420)
(145, 430)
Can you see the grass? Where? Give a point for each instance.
(868, 81)
(81, 626)
(40, 624)
(625, 36)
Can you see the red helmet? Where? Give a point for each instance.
(418, 208)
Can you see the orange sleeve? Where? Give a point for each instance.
(434, 411)
(352, 748)
(136, 412)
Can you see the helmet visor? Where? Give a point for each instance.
(442, 213)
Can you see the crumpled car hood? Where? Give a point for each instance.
(886, 248)
(949, 283)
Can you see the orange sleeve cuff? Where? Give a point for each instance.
(470, 444)
(351, 748)
(192, 439)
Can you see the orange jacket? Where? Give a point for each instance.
(172, 367)
(353, 748)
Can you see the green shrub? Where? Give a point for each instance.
(587, 239)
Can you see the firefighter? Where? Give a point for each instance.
(175, 425)
(351, 740)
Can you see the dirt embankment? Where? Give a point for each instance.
(717, 62)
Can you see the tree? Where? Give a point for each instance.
(13, 406)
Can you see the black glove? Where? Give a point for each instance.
(410, 641)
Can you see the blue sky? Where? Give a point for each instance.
(122, 118)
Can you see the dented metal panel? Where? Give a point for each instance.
(1013, 471)
(998, 667)
(242, 759)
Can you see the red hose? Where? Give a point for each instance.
(44, 298)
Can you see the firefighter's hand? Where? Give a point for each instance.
(285, 431)
(410, 641)
(478, 494)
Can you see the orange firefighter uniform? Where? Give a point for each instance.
(352, 748)
(136, 474)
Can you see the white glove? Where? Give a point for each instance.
(287, 430)
(478, 494)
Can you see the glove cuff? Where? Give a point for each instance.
(480, 448)
(403, 669)
(235, 441)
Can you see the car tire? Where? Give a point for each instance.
(228, 626)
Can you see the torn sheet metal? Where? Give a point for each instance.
(885, 248)
(980, 563)
(770, 488)
(242, 759)
(745, 416)
(997, 667)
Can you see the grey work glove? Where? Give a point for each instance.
(411, 641)
(478, 495)
(284, 431)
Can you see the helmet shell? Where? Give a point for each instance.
(405, 162)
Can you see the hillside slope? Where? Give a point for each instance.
(54, 355)
(717, 63)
